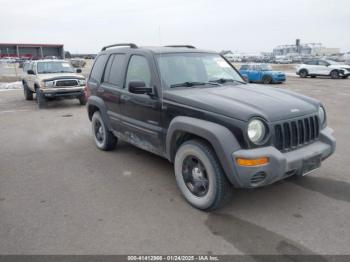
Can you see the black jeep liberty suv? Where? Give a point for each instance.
(193, 108)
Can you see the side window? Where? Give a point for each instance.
(244, 67)
(138, 70)
(322, 63)
(116, 72)
(97, 69)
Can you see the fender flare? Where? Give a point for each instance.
(221, 139)
(100, 104)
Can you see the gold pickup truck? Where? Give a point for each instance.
(53, 79)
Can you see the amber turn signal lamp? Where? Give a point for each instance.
(252, 162)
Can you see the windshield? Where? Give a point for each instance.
(54, 67)
(265, 67)
(189, 69)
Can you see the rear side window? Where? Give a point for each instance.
(138, 70)
(97, 69)
(244, 67)
(114, 70)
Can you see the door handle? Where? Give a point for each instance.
(124, 98)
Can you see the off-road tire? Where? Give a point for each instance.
(267, 80)
(28, 95)
(303, 73)
(219, 189)
(40, 99)
(82, 100)
(345, 77)
(107, 141)
(335, 74)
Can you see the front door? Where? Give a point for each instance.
(140, 113)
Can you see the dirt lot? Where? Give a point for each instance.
(61, 195)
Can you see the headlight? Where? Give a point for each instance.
(49, 83)
(256, 131)
(322, 115)
(82, 82)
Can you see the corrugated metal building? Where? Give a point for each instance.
(35, 51)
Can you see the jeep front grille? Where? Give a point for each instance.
(62, 83)
(296, 133)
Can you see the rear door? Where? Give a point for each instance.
(140, 113)
(111, 87)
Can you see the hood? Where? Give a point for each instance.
(48, 77)
(245, 101)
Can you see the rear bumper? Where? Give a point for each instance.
(282, 165)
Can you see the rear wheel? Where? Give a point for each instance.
(303, 73)
(267, 80)
(313, 76)
(104, 139)
(28, 95)
(200, 177)
(335, 74)
(345, 77)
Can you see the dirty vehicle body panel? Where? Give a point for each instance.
(161, 119)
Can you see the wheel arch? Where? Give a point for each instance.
(223, 142)
(94, 104)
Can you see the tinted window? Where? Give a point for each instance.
(244, 67)
(97, 69)
(311, 62)
(323, 63)
(138, 70)
(116, 71)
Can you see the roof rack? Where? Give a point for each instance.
(186, 46)
(131, 45)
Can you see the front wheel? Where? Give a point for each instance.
(28, 95)
(82, 100)
(40, 98)
(267, 80)
(104, 139)
(200, 177)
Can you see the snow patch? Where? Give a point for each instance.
(11, 85)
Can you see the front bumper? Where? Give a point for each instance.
(282, 165)
(70, 92)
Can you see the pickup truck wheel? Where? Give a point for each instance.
(303, 73)
(200, 177)
(28, 95)
(40, 98)
(103, 138)
(267, 80)
(82, 100)
(335, 74)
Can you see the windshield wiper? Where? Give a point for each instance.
(225, 80)
(190, 84)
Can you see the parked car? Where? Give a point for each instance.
(283, 60)
(78, 62)
(232, 58)
(321, 67)
(52, 79)
(193, 108)
(262, 73)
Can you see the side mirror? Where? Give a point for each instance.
(30, 72)
(78, 70)
(139, 87)
(245, 78)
